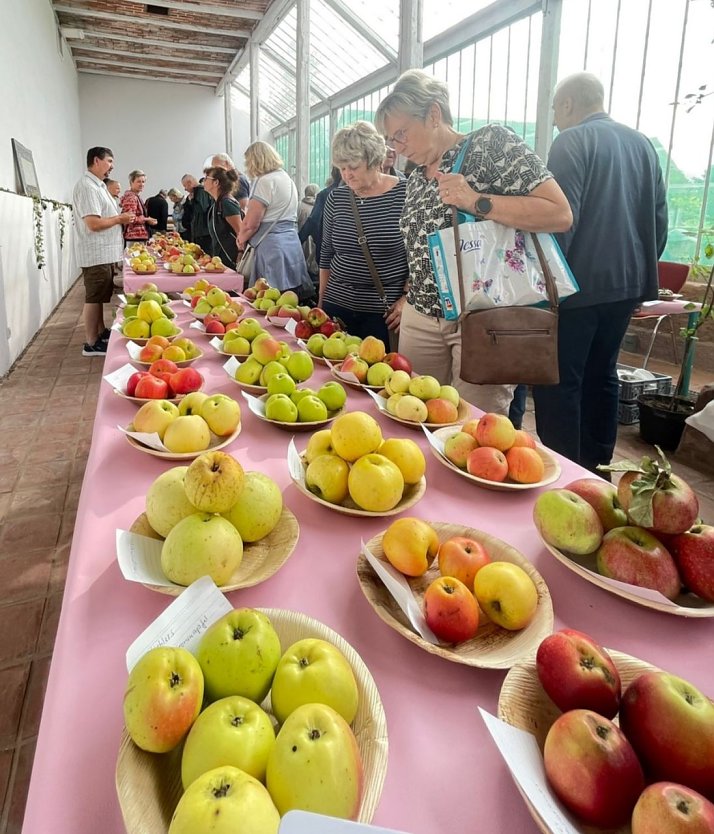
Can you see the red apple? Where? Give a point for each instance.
(289, 313)
(451, 610)
(670, 723)
(592, 768)
(196, 298)
(150, 353)
(212, 316)
(166, 377)
(577, 673)
(354, 365)
(602, 497)
(163, 366)
(215, 327)
(674, 809)
(462, 558)
(303, 330)
(693, 553)
(132, 382)
(231, 325)
(397, 362)
(635, 556)
(329, 327)
(317, 317)
(186, 380)
(151, 388)
(487, 463)
(675, 506)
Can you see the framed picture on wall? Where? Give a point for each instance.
(25, 170)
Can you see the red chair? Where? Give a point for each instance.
(670, 276)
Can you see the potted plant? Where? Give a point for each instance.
(662, 416)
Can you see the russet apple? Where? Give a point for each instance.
(488, 463)
(355, 434)
(450, 610)
(167, 502)
(525, 465)
(458, 447)
(577, 673)
(375, 483)
(407, 456)
(163, 697)
(258, 509)
(187, 434)
(674, 809)
(567, 521)
(670, 723)
(440, 410)
(327, 477)
(462, 558)
(693, 553)
(155, 416)
(496, 431)
(592, 768)
(602, 497)
(635, 556)
(506, 594)
(201, 544)
(214, 482)
(675, 505)
(410, 545)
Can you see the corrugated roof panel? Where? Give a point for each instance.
(277, 88)
(382, 16)
(440, 15)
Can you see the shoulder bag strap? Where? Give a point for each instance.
(212, 215)
(362, 240)
(550, 286)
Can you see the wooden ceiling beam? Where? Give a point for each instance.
(132, 65)
(105, 34)
(152, 21)
(153, 56)
(204, 8)
(142, 77)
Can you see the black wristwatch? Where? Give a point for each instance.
(483, 206)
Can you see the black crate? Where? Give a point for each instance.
(630, 391)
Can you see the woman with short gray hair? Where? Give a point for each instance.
(361, 223)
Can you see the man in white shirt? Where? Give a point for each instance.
(98, 244)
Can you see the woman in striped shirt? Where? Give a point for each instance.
(347, 288)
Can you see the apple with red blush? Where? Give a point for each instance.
(398, 362)
(693, 554)
(462, 558)
(487, 463)
(186, 380)
(674, 809)
(163, 366)
(602, 497)
(635, 556)
(303, 330)
(132, 382)
(451, 610)
(151, 387)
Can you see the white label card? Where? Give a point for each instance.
(116, 326)
(350, 377)
(122, 298)
(184, 622)
(295, 467)
(139, 559)
(133, 350)
(305, 822)
(257, 406)
(398, 587)
(119, 378)
(379, 400)
(290, 326)
(231, 366)
(216, 342)
(198, 325)
(522, 756)
(436, 442)
(150, 439)
(634, 590)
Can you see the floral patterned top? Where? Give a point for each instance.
(498, 162)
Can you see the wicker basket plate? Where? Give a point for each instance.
(216, 443)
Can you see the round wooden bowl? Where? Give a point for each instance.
(240, 356)
(179, 332)
(686, 604)
(335, 370)
(463, 414)
(216, 443)
(183, 363)
(524, 704)
(142, 400)
(251, 389)
(149, 785)
(184, 275)
(261, 559)
(277, 321)
(493, 647)
(552, 469)
(297, 426)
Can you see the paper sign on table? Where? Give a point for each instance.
(398, 587)
(116, 326)
(379, 400)
(216, 342)
(198, 325)
(436, 442)
(184, 622)
(257, 406)
(295, 467)
(523, 757)
(133, 350)
(635, 590)
(119, 378)
(305, 822)
(150, 439)
(122, 299)
(231, 366)
(139, 559)
(290, 326)
(350, 377)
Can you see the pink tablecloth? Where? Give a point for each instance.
(169, 282)
(444, 773)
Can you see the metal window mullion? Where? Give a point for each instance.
(473, 89)
(461, 57)
(705, 196)
(675, 106)
(587, 36)
(490, 76)
(508, 77)
(644, 65)
(614, 53)
(528, 66)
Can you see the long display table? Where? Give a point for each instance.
(170, 282)
(444, 773)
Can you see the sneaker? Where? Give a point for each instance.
(105, 334)
(99, 348)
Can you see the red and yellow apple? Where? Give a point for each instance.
(462, 558)
(410, 545)
(450, 610)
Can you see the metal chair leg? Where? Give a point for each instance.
(652, 340)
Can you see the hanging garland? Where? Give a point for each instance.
(39, 205)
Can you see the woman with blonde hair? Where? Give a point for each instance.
(132, 203)
(270, 223)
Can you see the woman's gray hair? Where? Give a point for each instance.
(134, 175)
(413, 95)
(356, 143)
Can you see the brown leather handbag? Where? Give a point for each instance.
(509, 345)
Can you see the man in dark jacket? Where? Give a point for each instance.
(611, 176)
(158, 208)
(201, 202)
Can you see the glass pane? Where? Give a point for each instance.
(440, 15)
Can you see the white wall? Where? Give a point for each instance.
(166, 130)
(40, 108)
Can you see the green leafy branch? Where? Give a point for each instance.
(39, 231)
(655, 476)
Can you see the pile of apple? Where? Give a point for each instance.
(212, 264)
(175, 350)
(235, 770)
(421, 399)
(286, 403)
(217, 308)
(238, 336)
(163, 380)
(274, 302)
(268, 356)
(143, 263)
(492, 449)
(316, 321)
(351, 459)
(468, 579)
(150, 320)
(641, 532)
(599, 770)
(334, 347)
(372, 365)
(189, 426)
(147, 292)
(184, 264)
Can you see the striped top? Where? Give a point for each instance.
(350, 284)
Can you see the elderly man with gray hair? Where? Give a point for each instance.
(611, 176)
(242, 189)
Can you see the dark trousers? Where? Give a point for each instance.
(578, 417)
(518, 406)
(359, 323)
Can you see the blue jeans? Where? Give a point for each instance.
(578, 417)
(518, 406)
(359, 323)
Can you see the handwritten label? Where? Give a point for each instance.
(379, 400)
(139, 558)
(184, 622)
(256, 405)
(290, 326)
(119, 378)
(150, 439)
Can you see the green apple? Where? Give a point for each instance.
(281, 383)
(167, 311)
(326, 476)
(216, 297)
(299, 393)
(163, 698)
(398, 383)
(166, 500)
(333, 395)
(315, 343)
(202, 544)
(567, 521)
(189, 433)
(163, 327)
(225, 800)
(248, 328)
(300, 365)
(202, 308)
(249, 372)
(281, 408)
(315, 764)
(272, 293)
(270, 370)
(425, 387)
(313, 671)
(351, 341)
(448, 392)
(392, 402)
(238, 346)
(239, 655)
(320, 443)
(130, 311)
(334, 349)
(221, 413)
(152, 296)
(378, 374)
(233, 731)
(214, 482)
(258, 508)
(311, 410)
(136, 328)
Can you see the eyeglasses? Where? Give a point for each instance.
(400, 136)
(208, 178)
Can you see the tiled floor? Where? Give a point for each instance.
(54, 387)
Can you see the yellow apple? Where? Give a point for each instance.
(202, 544)
(375, 483)
(214, 482)
(258, 508)
(355, 434)
(410, 545)
(506, 594)
(166, 501)
(327, 478)
(407, 456)
(187, 434)
(155, 416)
(320, 443)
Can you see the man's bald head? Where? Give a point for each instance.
(577, 97)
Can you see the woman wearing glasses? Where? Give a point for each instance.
(224, 215)
(501, 179)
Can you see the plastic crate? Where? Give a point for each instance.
(628, 413)
(630, 391)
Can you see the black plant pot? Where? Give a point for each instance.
(660, 423)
